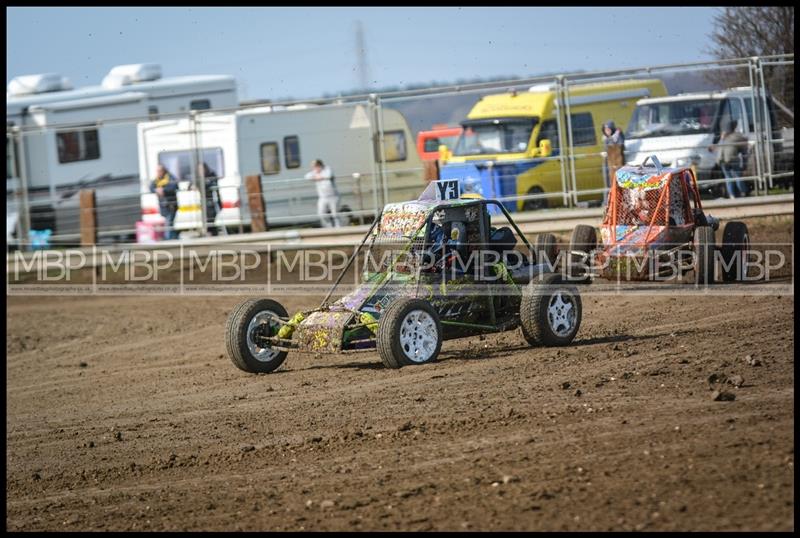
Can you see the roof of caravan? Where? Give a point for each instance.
(278, 107)
(91, 102)
(14, 105)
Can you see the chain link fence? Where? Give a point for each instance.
(533, 144)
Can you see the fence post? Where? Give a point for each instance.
(562, 143)
(255, 200)
(373, 125)
(756, 93)
(570, 144)
(769, 149)
(24, 220)
(430, 170)
(382, 148)
(88, 218)
(198, 180)
(357, 179)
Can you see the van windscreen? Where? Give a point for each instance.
(673, 118)
(482, 137)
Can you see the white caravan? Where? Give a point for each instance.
(680, 129)
(86, 138)
(277, 144)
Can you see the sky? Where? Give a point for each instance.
(279, 53)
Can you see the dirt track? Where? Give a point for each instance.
(117, 420)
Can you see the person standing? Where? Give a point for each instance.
(166, 187)
(732, 155)
(612, 137)
(328, 196)
(209, 177)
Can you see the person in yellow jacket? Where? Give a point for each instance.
(166, 187)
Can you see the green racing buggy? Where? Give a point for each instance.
(431, 269)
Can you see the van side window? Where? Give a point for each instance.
(583, 133)
(291, 151)
(270, 163)
(394, 146)
(549, 131)
(152, 112)
(431, 144)
(80, 145)
(200, 104)
(748, 107)
(731, 110)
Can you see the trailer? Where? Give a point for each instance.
(64, 140)
(277, 144)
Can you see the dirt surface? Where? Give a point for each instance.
(125, 413)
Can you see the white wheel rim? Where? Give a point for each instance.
(260, 353)
(561, 313)
(418, 336)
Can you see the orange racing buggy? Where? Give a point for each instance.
(655, 227)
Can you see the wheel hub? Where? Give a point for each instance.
(262, 324)
(418, 336)
(561, 314)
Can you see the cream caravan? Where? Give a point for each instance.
(277, 144)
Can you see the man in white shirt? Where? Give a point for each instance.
(328, 201)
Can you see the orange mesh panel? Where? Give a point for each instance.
(638, 207)
(660, 215)
(680, 211)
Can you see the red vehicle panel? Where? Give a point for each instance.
(428, 142)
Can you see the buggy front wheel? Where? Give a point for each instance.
(550, 311)
(247, 324)
(409, 332)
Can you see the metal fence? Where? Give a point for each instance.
(530, 153)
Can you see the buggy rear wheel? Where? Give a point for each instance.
(704, 247)
(409, 332)
(546, 249)
(735, 246)
(550, 311)
(581, 244)
(249, 321)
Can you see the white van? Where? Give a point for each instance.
(681, 128)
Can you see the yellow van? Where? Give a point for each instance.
(510, 141)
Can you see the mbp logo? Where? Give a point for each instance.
(447, 189)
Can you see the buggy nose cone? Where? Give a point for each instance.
(322, 331)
